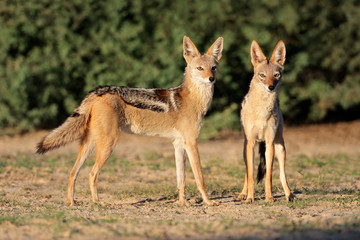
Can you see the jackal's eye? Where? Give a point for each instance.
(213, 68)
(200, 68)
(277, 75)
(261, 75)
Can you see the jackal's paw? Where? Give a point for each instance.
(211, 203)
(249, 200)
(290, 198)
(183, 203)
(241, 196)
(269, 199)
(102, 204)
(72, 203)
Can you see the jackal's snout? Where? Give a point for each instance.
(272, 86)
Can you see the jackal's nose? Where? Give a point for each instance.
(211, 79)
(271, 87)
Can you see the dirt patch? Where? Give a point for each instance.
(139, 188)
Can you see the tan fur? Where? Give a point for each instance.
(175, 113)
(262, 120)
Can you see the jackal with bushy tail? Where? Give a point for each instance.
(175, 113)
(262, 121)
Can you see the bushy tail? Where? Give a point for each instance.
(262, 164)
(72, 129)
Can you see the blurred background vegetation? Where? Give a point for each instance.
(52, 52)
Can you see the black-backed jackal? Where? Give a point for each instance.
(175, 113)
(263, 122)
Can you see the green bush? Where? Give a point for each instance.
(52, 52)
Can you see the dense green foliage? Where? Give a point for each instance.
(53, 51)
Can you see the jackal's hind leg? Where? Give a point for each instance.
(102, 154)
(104, 128)
(84, 151)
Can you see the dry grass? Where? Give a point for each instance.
(141, 192)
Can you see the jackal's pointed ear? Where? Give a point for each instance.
(279, 54)
(216, 49)
(189, 49)
(257, 55)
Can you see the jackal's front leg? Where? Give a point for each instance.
(269, 159)
(243, 194)
(193, 154)
(180, 171)
(250, 171)
(281, 155)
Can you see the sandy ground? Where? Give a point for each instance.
(160, 218)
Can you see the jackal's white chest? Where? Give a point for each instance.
(204, 95)
(258, 118)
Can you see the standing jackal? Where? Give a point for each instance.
(262, 121)
(175, 113)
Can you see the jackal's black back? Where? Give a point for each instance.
(157, 100)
